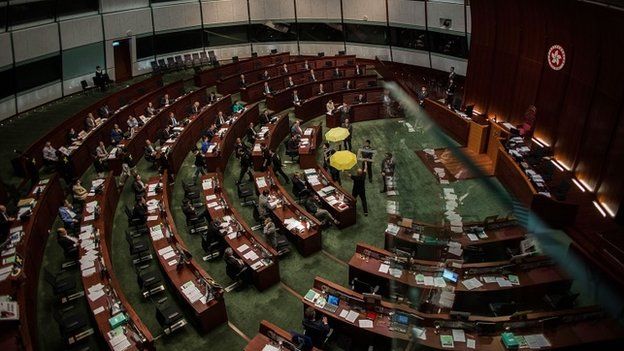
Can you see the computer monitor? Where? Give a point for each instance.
(333, 300)
(450, 276)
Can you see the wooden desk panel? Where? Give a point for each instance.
(207, 315)
(307, 241)
(449, 121)
(266, 273)
(104, 275)
(220, 155)
(210, 76)
(276, 134)
(307, 153)
(345, 215)
(269, 334)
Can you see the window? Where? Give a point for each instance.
(227, 35)
(408, 38)
(321, 32)
(272, 32)
(145, 47)
(72, 7)
(366, 34)
(448, 44)
(177, 41)
(7, 88)
(31, 12)
(38, 73)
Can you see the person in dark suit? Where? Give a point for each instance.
(299, 187)
(246, 164)
(316, 329)
(5, 222)
(359, 188)
(150, 110)
(450, 94)
(140, 209)
(265, 118)
(265, 75)
(235, 268)
(284, 69)
(71, 136)
(242, 82)
(89, 122)
(337, 73)
(251, 134)
(276, 163)
(139, 186)
(422, 95)
(68, 243)
(165, 134)
(196, 108)
(312, 76)
(212, 98)
(368, 165)
(291, 83)
(200, 164)
(165, 101)
(149, 151)
(116, 135)
(267, 89)
(104, 111)
(360, 99)
(358, 71)
(347, 142)
(296, 100)
(387, 170)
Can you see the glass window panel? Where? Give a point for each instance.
(321, 32)
(31, 12)
(72, 7)
(145, 47)
(226, 35)
(4, 12)
(448, 44)
(38, 73)
(82, 60)
(408, 38)
(7, 88)
(165, 43)
(366, 33)
(275, 31)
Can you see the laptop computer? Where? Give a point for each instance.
(450, 276)
(399, 323)
(332, 303)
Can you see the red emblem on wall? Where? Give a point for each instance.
(556, 57)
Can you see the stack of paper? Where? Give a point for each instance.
(472, 283)
(95, 292)
(392, 229)
(451, 215)
(190, 290)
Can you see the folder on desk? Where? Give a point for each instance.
(446, 341)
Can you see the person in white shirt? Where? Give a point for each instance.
(357, 70)
(101, 152)
(133, 124)
(290, 82)
(49, 154)
(330, 106)
(296, 128)
(321, 91)
(221, 119)
(267, 89)
(312, 75)
(150, 110)
(296, 100)
(165, 100)
(284, 69)
(173, 122)
(306, 65)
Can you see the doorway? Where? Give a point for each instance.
(123, 60)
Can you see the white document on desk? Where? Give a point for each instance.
(459, 335)
(383, 268)
(365, 323)
(352, 316)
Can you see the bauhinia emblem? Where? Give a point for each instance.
(556, 57)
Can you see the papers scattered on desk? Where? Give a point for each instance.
(156, 232)
(190, 290)
(257, 265)
(294, 224)
(455, 248)
(270, 348)
(392, 207)
(439, 282)
(383, 268)
(395, 272)
(446, 341)
(344, 313)
(95, 292)
(536, 341)
(459, 335)
(119, 341)
(251, 255)
(207, 184)
(421, 333)
(472, 283)
(428, 281)
(352, 316)
(98, 310)
(242, 248)
(471, 343)
(502, 282)
(261, 182)
(308, 131)
(365, 323)
(392, 229)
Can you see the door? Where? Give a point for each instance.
(123, 61)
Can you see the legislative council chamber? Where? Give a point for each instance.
(306, 175)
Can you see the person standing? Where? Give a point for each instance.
(276, 162)
(347, 142)
(387, 170)
(245, 166)
(359, 188)
(367, 153)
(270, 233)
(200, 164)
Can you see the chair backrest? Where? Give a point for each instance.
(178, 58)
(187, 57)
(154, 64)
(203, 54)
(161, 61)
(170, 60)
(196, 55)
(84, 84)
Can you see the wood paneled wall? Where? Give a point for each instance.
(580, 109)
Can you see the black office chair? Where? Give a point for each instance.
(139, 249)
(169, 317)
(85, 86)
(171, 64)
(244, 193)
(74, 326)
(212, 245)
(204, 58)
(137, 232)
(149, 281)
(561, 191)
(155, 66)
(133, 221)
(318, 336)
(361, 286)
(63, 286)
(162, 64)
(196, 59)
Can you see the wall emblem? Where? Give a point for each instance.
(556, 57)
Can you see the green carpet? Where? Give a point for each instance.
(419, 198)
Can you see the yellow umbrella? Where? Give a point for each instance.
(337, 134)
(343, 160)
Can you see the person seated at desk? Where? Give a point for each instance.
(98, 165)
(238, 107)
(292, 146)
(265, 75)
(139, 187)
(358, 71)
(5, 222)
(296, 128)
(133, 124)
(100, 152)
(239, 148)
(306, 65)
(79, 192)
(140, 210)
(360, 99)
(242, 83)
(296, 100)
(312, 76)
(316, 329)
(195, 109)
(337, 73)
(422, 95)
(204, 144)
(321, 90)
(149, 151)
(290, 83)
(299, 187)
(165, 101)
(347, 85)
(173, 121)
(50, 156)
(150, 110)
(251, 134)
(266, 90)
(212, 98)
(284, 69)
(68, 243)
(312, 204)
(68, 216)
(165, 134)
(190, 212)
(89, 122)
(104, 111)
(116, 135)
(211, 131)
(221, 119)
(235, 268)
(329, 106)
(264, 206)
(265, 118)
(270, 233)
(71, 136)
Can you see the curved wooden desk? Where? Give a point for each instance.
(580, 326)
(260, 257)
(343, 210)
(273, 135)
(270, 334)
(102, 290)
(536, 277)
(308, 239)
(151, 125)
(177, 265)
(310, 142)
(316, 106)
(21, 263)
(218, 157)
(190, 134)
(58, 135)
(283, 99)
(255, 91)
(210, 76)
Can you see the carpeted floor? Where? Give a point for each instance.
(419, 197)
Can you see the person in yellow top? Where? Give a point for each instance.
(80, 193)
